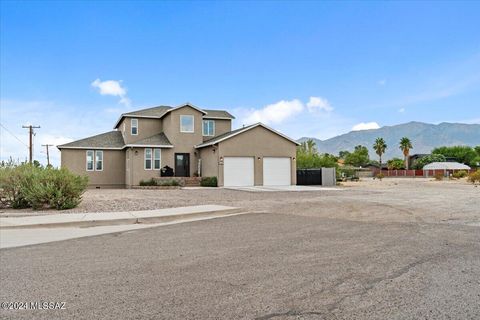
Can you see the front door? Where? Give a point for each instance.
(182, 164)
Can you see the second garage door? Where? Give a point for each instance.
(276, 171)
(238, 171)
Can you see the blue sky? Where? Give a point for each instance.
(306, 68)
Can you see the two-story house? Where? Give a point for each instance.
(191, 141)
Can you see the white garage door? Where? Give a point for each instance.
(238, 171)
(276, 171)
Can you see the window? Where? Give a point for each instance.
(148, 159)
(186, 123)
(156, 159)
(208, 127)
(134, 125)
(89, 160)
(99, 160)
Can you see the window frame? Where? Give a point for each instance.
(134, 126)
(145, 159)
(96, 160)
(93, 160)
(155, 158)
(193, 123)
(203, 128)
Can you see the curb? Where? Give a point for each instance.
(125, 221)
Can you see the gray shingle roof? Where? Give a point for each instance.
(217, 114)
(111, 139)
(155, 140)
(160, 111)
(223, 136)
(149, 112)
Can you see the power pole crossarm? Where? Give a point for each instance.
(30, 133)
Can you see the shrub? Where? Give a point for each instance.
(166, 183)
(23, 186)
(380, 176)
(460, 174)
(474, 177)
(151, 182)
(438, 176)
(208, 182)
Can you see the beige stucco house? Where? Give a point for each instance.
(191, 141)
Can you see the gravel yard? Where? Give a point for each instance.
(394, 200)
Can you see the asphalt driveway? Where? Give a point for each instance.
(256, 266)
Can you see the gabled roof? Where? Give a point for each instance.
(107, 140)
(157, 140)
(217, 114)
(233, 133)
(160, 111)
(446, 166)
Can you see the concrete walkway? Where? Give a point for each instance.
(10, 238)
(114, 218)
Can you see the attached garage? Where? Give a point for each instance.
(238, 171)
(277, 171)
(251, 156)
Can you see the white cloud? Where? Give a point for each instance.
(365, 126)
(319, 103)
(112, 88)
(401, 110)
(276, 113)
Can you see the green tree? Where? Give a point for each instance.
(463, 154)
(380, 146)
(359, 157)
(420, 163)
(405, 145)
(396, 164)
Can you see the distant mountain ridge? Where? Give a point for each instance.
(424, 137)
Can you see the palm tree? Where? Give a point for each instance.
(405, 146)
(380, 146)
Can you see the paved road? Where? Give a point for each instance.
(264, 266)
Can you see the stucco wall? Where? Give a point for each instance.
(146, 128)
(221, 127)
(209, 162)
(258, 142)
(183, 142)
(136, 169)
(113, 174)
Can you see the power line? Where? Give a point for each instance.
(14, 135)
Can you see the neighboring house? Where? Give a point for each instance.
(192, 141)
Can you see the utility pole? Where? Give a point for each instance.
(48, 155)
(30, 131)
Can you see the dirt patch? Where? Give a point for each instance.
(389, 200)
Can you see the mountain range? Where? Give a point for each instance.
(424, 137)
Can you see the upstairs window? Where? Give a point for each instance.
(90, 160)
(208, 128)
(186, 123)
(148, 159)
(134, 125)
(156, 159)
(99, 160)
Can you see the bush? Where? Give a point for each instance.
(208, 182)
(23, 186)
(151, 182)
(167, 183)
(162, 183)
(380, 176)
(438, 176)
(474, 177)
(460, 174)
